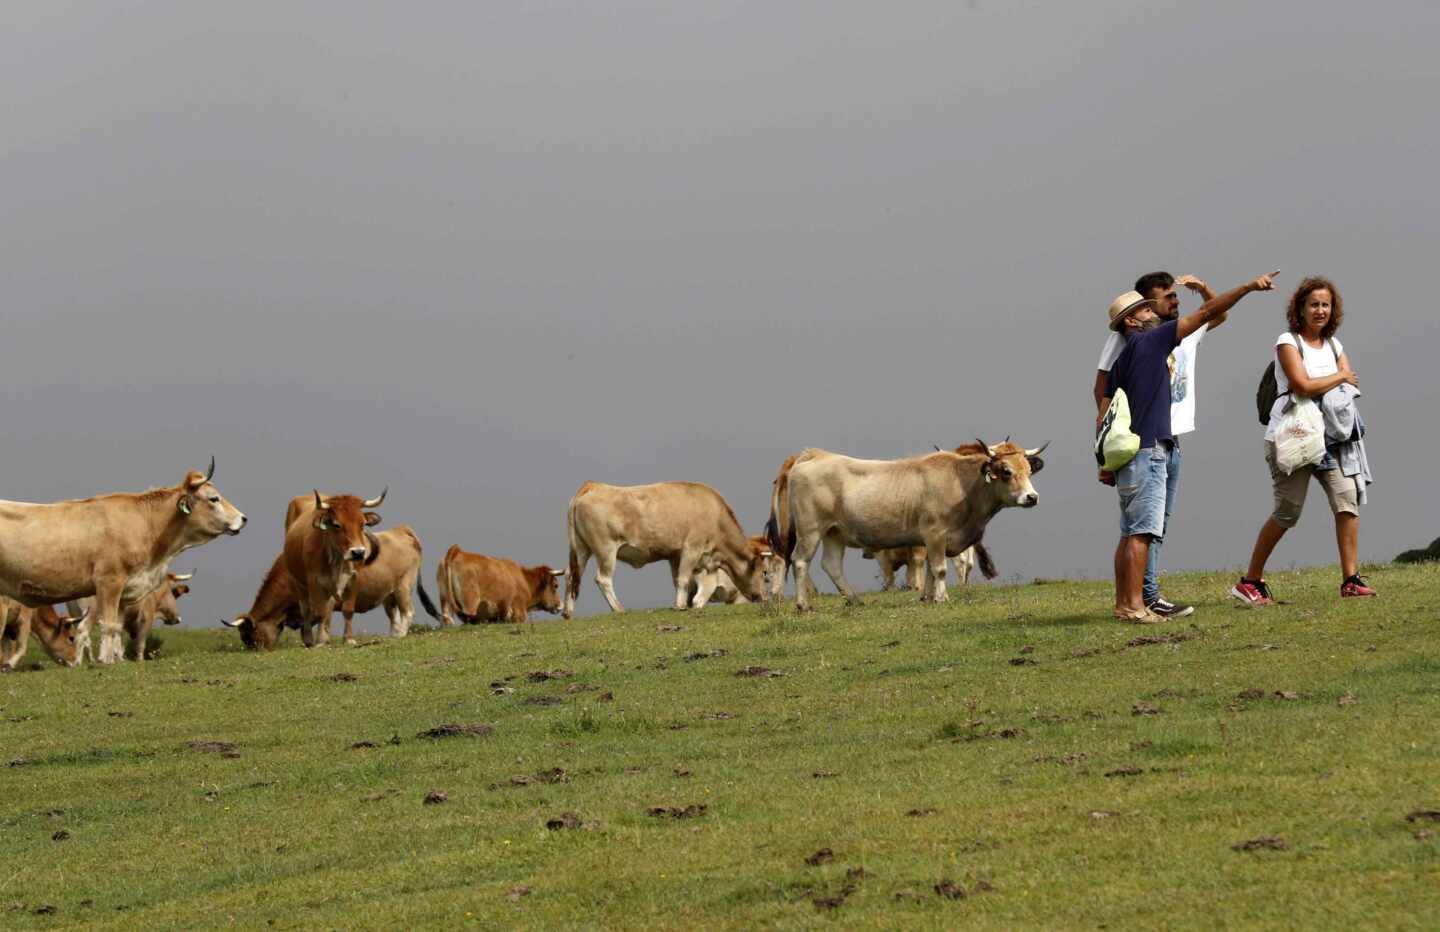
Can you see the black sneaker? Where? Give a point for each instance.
(1167, 609)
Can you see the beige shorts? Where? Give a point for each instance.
(1290, 490)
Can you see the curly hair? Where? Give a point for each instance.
(1294, 313)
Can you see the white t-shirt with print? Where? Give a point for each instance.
(1182, 376)
(1318, 364)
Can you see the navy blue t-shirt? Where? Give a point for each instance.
(1142, 369)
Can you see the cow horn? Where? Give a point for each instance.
(557, 572)
(211, 473)
(375, 502)
(374, 547)
(77, 619)
(1038, 450)
(188, 576)
(233, 624)
(989, 450)
(318, 502)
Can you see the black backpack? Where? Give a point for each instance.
(1269, 389)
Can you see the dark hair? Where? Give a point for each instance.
(1294, 315)
(1145, 283)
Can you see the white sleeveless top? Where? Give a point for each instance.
(1318, 364)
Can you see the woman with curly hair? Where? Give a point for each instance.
(1311, 363)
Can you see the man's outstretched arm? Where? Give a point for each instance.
(1221, 304)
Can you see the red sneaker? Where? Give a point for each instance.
(1354, 588)
(1252, 592)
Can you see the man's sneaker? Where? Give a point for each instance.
(1167, 609)
(1355, 587)
(1252, 592)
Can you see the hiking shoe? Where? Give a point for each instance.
(1167, 609)
(1252, 592)
(1146, 617)
(1354, 587)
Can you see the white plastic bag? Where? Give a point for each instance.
(1300, 436)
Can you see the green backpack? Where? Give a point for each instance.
(1115, 443)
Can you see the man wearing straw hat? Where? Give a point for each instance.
(1160, 287)
(1142, 370)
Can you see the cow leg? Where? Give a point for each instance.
(579, 559)
(887, 573)
(401, 612)
(319, 622)
(138, 639)
(605, 579)
(915, 572)
(15, 642)
(705, 585)
(964, 566)
(684, 573)
(935, 575)
(107, 611)
(833, 563)
(800, 557)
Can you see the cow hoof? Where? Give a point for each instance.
(804, 609)
(350, 642)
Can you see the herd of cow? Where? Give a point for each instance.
(107, 559)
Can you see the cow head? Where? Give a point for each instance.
(207, 513)
(166, 609)
(546, 594)
(345, 522)
(1008, 468)
(262, 633)
(756, 577)
(59, 635)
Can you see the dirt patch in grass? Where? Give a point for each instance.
(577, 688)
(223, 748)
(551, 776)
(455, 731)
(435, 797)
(516, 892)
(540, 676)
(376, 797)
(343, 677)
(1170, 637)
(758, 671)
(950, 890)
(542, 700)
(691, 811)
(823, 856)
(668, 629)
(1264, 843)
(706, 654)
(1144, 708)
(1124, 772)
(571, 820)
(1424, 815)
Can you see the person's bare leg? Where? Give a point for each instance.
(1130, 559)
(1347, 536)
(1270, 534)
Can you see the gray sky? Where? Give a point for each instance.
(485, 252)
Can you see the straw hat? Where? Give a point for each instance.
(1125, 305)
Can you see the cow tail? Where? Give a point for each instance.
(572, 574)
(425, 599)
(987, 566)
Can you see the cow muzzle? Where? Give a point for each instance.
(1029, 500)
(236, 525)
(355, 554)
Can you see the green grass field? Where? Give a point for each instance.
(1016, 744)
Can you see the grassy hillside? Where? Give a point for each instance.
(1060, 769)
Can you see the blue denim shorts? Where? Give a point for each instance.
(1141, 484)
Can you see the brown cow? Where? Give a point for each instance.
(942, 500)
(58, 634)
(114, 547)
(139, 617)
(325, 544)
(479, 588)
(387, 582)
(687, 524)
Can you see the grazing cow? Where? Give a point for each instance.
(115, 547)
(686, 524)
(57, 634)
(722, 588)
(891, 559)
(388, 582)
(479, 588)
(139, 617)
(942, 500)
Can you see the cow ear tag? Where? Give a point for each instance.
(184, 504)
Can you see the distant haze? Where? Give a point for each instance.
(484, 252)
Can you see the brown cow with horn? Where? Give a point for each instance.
(57, 634)
(943, 500)
(115, 547)
(386, 581)
(325, 544)
(479, 588)
(139, 617)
